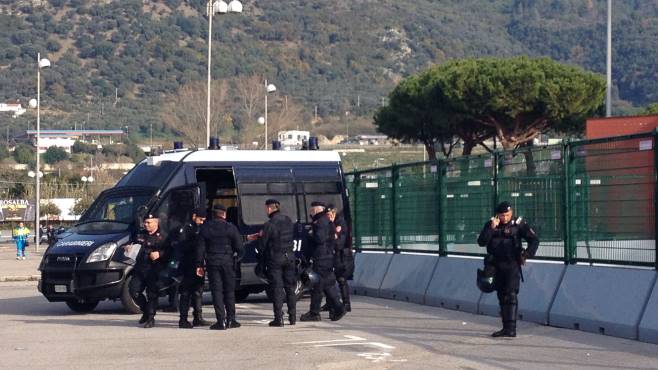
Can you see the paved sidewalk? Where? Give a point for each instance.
(19, 270)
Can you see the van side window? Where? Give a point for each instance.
(175, 209)
(254, 195)
(327, 192)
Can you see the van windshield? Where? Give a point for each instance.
(113, 212)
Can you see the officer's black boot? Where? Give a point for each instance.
(345, 296)
(184, 307)
(325, 307)
(197, 302)
(508, 314)
(292, 318)
(278, 321)
(141, 302)
(219, 325)
(310, 316)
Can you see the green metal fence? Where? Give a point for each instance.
(589, 201)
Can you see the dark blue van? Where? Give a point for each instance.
(87, 264)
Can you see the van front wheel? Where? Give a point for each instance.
(127, 300)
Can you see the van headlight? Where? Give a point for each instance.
(102, 253)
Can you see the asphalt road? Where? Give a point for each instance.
(378, 334)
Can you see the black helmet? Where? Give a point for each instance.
(309, 277)
(485, 281)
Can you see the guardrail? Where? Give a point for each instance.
(589, 201)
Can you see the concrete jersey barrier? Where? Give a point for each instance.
(369, 272)
(407, 277)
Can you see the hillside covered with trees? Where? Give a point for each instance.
(139, 65)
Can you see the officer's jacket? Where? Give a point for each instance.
(156, 242)
(505, 241)
(341, 240)
(321, 241)
(277, 240)
(185, 244)
(219, 241)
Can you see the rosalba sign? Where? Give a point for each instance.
(15, 210)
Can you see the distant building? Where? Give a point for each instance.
(371, 139)
(618, 126)
(293, 137)
(66, 138)
(14, 107)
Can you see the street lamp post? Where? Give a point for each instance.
(269, 88)
(41, 63)
(212, 8)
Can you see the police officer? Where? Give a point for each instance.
(219, 243)
(191, 287)
(151, 261)
(319, 251)
(276, 245)
(344, 258)
(502, 235)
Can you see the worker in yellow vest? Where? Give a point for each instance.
(20, 235)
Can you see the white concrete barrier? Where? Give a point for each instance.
(453, 284)
(606, 300)
(369, 271)
(541, 281)
(648, 330)
(408, 276)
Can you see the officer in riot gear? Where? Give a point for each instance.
(344, 257)
(191, 286)
(276, 247)
(319, 252)
(219, 244)
(151, 262)
(502, 236)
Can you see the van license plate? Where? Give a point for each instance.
(61, 289)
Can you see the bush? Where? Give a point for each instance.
(54, 155)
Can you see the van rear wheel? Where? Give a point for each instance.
(127, 300)
(82, 306)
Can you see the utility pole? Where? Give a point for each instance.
(116, 96)
(358, 101)
(316, 113)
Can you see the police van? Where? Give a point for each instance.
(87, 264)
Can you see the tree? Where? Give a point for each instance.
(651, 109)
(185, 112)
(55, 154)
(50, 209)
(81, 205)
(520, 98)
(413, 115)
(24, 153)
(4, 152)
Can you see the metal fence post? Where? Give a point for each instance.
(497, 165)
(655, 197)
(395, 175)
(355, 191)
(441, 191)
(566, 201)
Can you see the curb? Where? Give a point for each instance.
(4, 279)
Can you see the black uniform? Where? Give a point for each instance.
(344, 261)
(505, 252)
(191, 287)
(277, 249)
(147, 273)
(320, 251)
(219, 241)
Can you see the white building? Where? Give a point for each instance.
(14, 107)
(47, 142)
(293, 137)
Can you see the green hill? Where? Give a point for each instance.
(332, 56)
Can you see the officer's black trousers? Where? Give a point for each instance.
(146, 279)
(222, 286)
(327, 285)
(191, 292)
(283, 278)
(508, 281)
